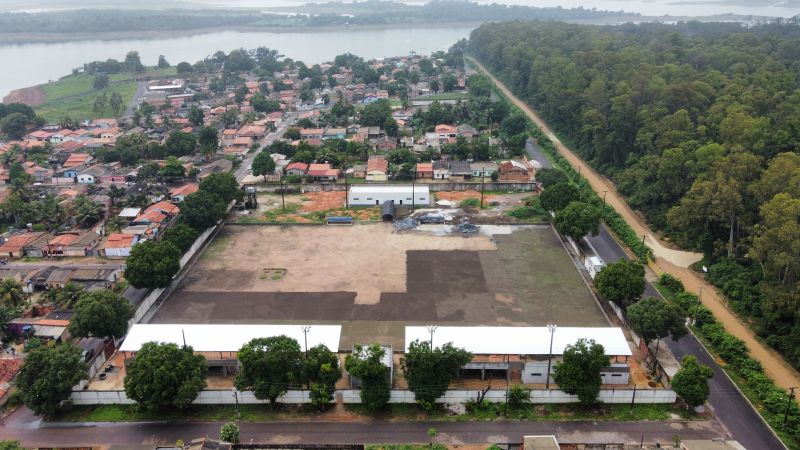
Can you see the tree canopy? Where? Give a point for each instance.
(101, 314)
(202, 210)
(653, 318)
(163, 376)
(578, 219)
(263, 164)
(429, 372)
(621, 282)
(578, 373)
(182, 235)
(557, 196)
(269, 367)
(152, 264)
(224, 185)
(48, 376)
(366, 364)
(691, 381)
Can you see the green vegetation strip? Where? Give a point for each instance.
(612, 219)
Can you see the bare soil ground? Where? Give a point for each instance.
(669, 260)
(374, 281)
(458, 196)
(31, 96)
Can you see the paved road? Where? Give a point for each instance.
(536, 153)
(140, 88)
(24, 426)
(244, 168)
(730, 407)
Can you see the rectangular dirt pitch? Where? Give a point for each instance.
(367, 277)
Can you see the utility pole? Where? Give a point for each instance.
(604, 204)
(552, 329)
(633, 399)
(789, 405)
(283, 200)
(305, 329)
(643, 248)
(346, 185)
(697, 305)
(413, 190)
(483, 186)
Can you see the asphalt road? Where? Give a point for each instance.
(731, 407)
(140, 88)
(244, 168)
(536, 153)
(24, 426)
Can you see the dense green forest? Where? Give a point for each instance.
(313, 15)
(699, 126)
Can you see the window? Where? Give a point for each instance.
(409, 198)
(616, 374)
(356, 198)
(536, 374)
(369, 198)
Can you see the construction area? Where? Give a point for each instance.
(374, 280)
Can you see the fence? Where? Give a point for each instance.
(434, 187)
(230, 397)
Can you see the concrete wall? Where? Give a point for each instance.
(226, 397)
(434, 187)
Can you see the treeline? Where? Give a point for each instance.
(698, 124)
(371, 13)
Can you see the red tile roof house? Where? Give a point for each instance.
(377, 168)
(323, 172)
(311, 133)
(178, 194)
(240, 146)
(252, 131)
(119, 245)
(297, 168)
(73, 244)
(77, 159)
(512, 170)
(12, 248)
(228, 136)
(39, 136)
(425, 170)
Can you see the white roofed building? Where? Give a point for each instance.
(375, 195)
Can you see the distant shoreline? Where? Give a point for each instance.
(52, 38)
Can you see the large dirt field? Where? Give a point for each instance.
(374, 280)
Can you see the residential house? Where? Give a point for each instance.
(335, 133)
(254, 132)
(358, 171)
(39, 174)
(228, 136)
(441, 171)
(483, 169)
(13, 245)
(36, 247)
(73, 244)
(178, 194)
(513, 170)
(38, 136)
(377, 169)
(425, 170)
(444, 132)
(297, 168)
(467, 131)
(119, 245)
(76, 160)
(323, 172)
(459, 170)
(311, 133)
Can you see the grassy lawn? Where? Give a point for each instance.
(131, 413)
(74, 95)
(445, 96)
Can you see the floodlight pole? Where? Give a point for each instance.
(306, 329)
(552, 329)
(431, 329)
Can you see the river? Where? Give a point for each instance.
(31, 64)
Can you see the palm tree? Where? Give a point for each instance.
(11, 292)
(87, 211)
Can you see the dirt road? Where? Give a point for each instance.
(674, 262)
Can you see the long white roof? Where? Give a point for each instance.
(225, 338)
(521, 340)
(388, 189)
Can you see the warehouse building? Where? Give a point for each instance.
(376, 195)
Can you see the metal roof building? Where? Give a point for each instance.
(225, 338)
(376, 195)
(521, 340)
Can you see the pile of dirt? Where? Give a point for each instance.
(31, 96)
(457, 196)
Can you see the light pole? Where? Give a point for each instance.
(306, 329)
(431, 329)
(552, 329)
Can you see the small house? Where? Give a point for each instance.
(297, 168)
(323, 172)
(483, 169)
(377, 169)
(425, 170)
(119, 245)
(178, 194)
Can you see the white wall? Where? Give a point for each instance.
(225, 397)
(422, 197)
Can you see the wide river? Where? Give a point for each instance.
(32, 64)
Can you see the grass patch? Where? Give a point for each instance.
(470, 203)
(531, 211)
(131, 413)
(74, 95)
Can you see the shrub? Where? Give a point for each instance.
(470, 203)
(229, 433)
(673, 284)
(519, 396)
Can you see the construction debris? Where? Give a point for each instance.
(468, 228)
(409, 223)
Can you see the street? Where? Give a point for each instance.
(24, 426)
(244, 168)
(730, 407)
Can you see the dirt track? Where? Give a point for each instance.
(674, 262)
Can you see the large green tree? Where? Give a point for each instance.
(48, 376)
(101, 314)
(321, 371)
(557, 196)
(654, 319)
(180, 143)
(14, 125)
(182, 235)
(223, 185)
(202, 210)
(578, 219)
(263, 164)
(165, 376)
(11, 293)
(429, 372)
(366, 364)
(152, 264)
(691, 382)
(269, 367)
(621, 282)
(578, 373)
